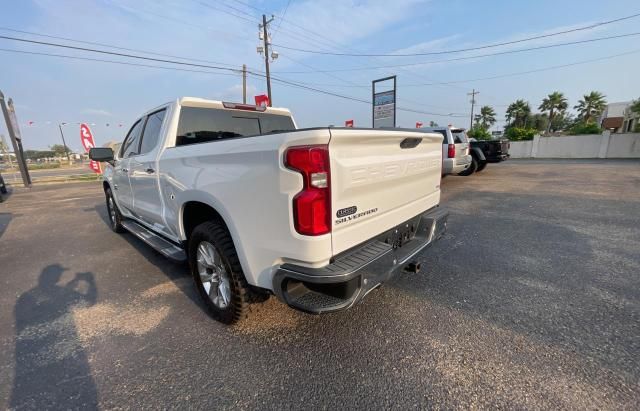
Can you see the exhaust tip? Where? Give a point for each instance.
(413, 267)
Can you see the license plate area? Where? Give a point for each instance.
(402, 234)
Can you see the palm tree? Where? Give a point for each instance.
(591, 105)
(518, 111)
(486, 118)
(635, 106)
(554, 103)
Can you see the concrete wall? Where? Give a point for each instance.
(624, 146)
(605, 145)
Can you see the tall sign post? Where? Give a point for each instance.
(384, 104)
(16, 139)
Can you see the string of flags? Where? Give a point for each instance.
(32, 123)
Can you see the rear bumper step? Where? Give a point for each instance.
(354, 273)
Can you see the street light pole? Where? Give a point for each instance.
(64, 144)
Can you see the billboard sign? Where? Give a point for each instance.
(86, 138)
(384, 104)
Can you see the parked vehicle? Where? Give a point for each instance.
(486, 151)
(319, 217)
(455, 148)
(3, 187)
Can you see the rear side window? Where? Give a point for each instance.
(151, 132)
(131, 143)
(201, 125)
(459, 136)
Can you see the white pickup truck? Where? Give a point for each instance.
(319, 217)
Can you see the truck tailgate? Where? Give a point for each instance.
(380, 178)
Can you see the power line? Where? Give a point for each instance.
(259, 75)
(124, 63)
(284, 13)
(113, 53)
(505, 43)
(112, 46)
(518, 73)
(468, 57)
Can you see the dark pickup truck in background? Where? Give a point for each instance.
(484, 152)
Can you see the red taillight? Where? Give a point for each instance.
(312, 205)
(451, 151)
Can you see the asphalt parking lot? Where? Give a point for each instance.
(531, 300)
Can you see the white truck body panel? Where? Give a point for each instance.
(245, 180)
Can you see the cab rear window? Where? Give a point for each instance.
(459, 136)
(202, 125)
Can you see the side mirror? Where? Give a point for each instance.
(102, 154)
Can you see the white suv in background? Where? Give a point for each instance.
(455, 148)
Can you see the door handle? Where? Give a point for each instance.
(124, 170)
(150, 170)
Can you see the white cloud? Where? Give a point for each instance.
(342, 21)
(96, 112)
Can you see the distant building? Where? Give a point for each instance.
(619, 118)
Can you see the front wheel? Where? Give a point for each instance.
(481, 166)
(115, 218)
(472, 168)
(217, 273)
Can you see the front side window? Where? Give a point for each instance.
(131, 143)
(151, 132)
(201, 125)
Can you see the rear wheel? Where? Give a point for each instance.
(472, 168)
(481, 166)
(217, 273)
(115, 218)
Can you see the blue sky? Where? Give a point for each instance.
(49, 90)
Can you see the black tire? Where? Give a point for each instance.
(113, 213)
(481, 166)
(472, 168)
(3, 188)
(216, 234)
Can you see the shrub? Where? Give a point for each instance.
(479, 133)
(520, 133)
(585, 128)
(43, 166)
(637, 128)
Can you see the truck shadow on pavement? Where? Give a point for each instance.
(5, 219)
(52, 368)
(178, 273)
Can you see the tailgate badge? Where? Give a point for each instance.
(343, 212)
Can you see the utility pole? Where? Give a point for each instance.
(265, 35)
(473, 103)
(66, 149)
(244, 84)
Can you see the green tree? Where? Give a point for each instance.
(479, 133)
(635, 106)
(3, 147)
(59, 150)
(433, 124)
(554, 103)
(517, 113)
(486, 118)
(590, 106)
(519, 133)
